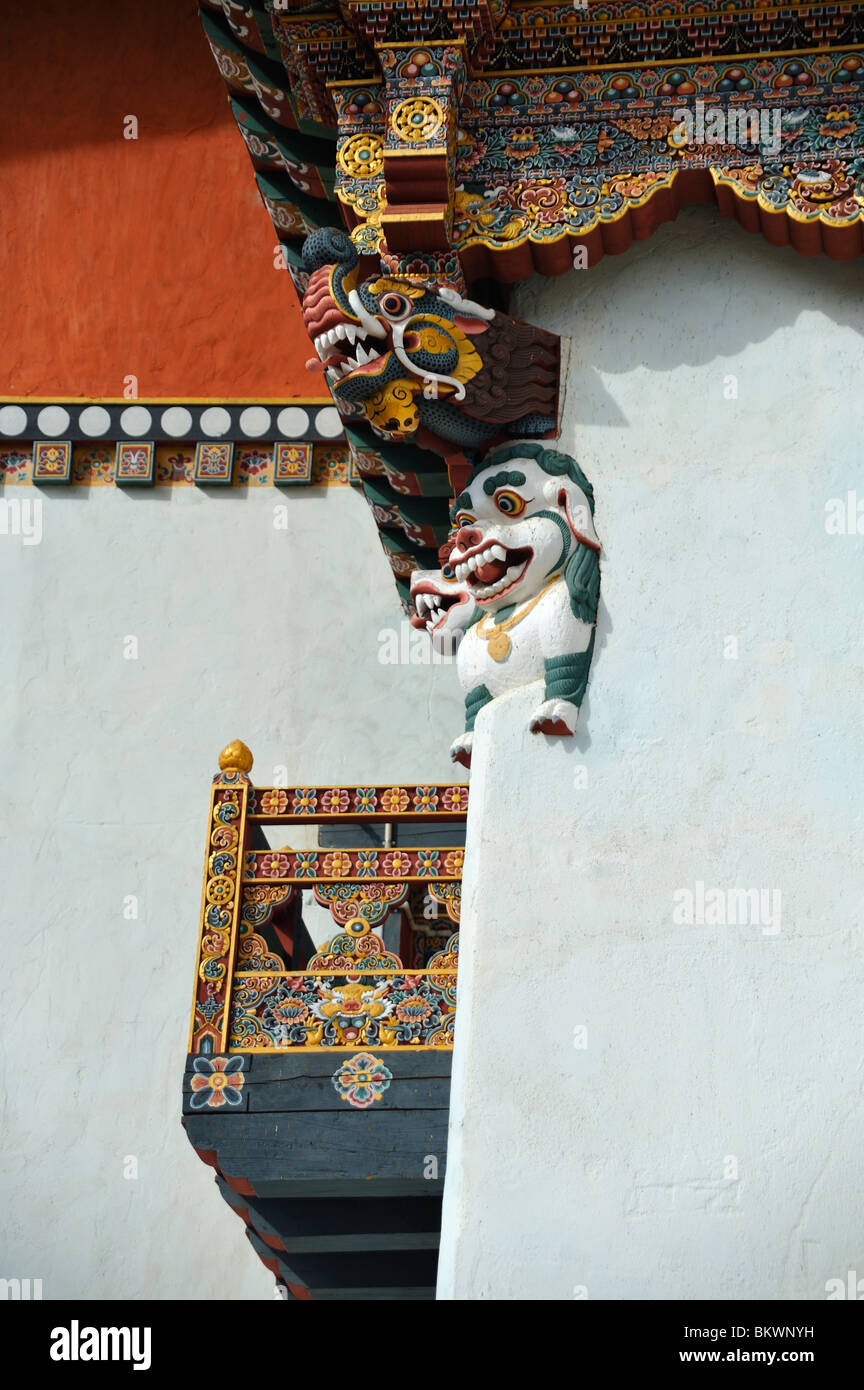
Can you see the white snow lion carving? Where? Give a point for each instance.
(526, 550)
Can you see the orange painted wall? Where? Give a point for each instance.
(151, 257)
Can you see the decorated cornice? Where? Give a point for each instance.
(544, 36)
(544, 123)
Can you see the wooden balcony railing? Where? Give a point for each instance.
(260, 984)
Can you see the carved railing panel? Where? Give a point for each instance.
(353, 991)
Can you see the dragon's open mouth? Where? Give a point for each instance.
(345, 351)
(491, 570)
(431, 607)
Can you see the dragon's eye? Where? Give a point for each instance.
(395, 306)
(448, 572)
(510, 503)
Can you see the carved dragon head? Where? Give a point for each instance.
(409, 354)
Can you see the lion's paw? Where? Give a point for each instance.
(460, 749)
(555, 717)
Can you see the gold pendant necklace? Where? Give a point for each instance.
(499, 645)
(496, 633)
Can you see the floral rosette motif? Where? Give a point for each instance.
(304, 800)
(362, 1080)
(216, 1081)
(367, 864)
(274, 865)
(394, 799)
(306, 864)
(396, 865)
(336, 865)
(454, 799)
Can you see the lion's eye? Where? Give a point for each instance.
(448, 572)
(463, 519)
(510, 503)
(395, 306)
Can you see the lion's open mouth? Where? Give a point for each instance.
(431, 607)
(344, 350)
(492, 570)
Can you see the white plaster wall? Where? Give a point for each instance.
(609, 1170)
(243, 631)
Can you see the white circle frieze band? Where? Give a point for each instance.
(255, 421)
(293, 422)
(176, 421)
(136, 421)
(327, 422)
(94, 421)
(13, 420)
(215, 421)
(53, 420)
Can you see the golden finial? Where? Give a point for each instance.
(235, 758)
